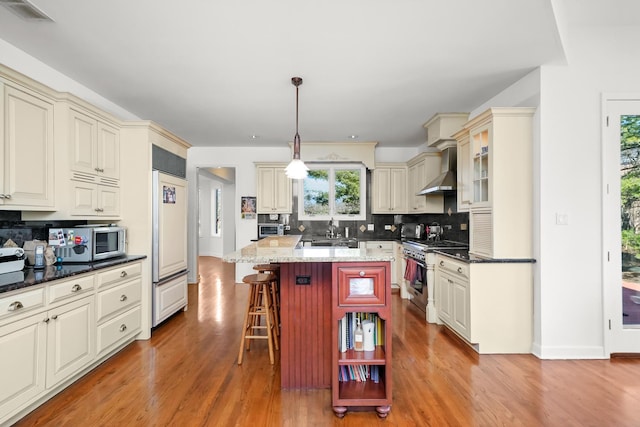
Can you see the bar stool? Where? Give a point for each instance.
(275, 290)
(259, 305)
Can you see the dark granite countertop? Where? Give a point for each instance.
(30, 277)
(465, 256)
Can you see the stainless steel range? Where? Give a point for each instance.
(420, 274)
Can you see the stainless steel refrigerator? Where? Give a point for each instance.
(169, 263)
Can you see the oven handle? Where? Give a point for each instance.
(420, 263)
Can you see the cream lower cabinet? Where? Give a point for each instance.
(22, 363)
(118, 311)
(26, 149)
(169, 297)
(70, 339)
(51, 335)
(488, 304)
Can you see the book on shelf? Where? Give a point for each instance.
(347, 326)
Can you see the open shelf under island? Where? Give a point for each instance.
(319, 286)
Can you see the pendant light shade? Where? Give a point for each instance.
(296, 169)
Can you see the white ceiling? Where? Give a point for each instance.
(218, 72)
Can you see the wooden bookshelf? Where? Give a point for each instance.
(361, 288)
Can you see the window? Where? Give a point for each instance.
(216, 212)
(333, 191)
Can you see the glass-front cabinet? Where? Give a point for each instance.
(480, 156)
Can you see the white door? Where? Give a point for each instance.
(621, 223)
(172, 224)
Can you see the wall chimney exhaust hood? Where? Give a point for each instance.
(447, 180)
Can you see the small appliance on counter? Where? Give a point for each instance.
(270, 229)
(88, 243)
(412, 231)
(11, 259)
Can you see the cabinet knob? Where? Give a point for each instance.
(123, 327)
(441, 263)
(7, 196)
(123, 297)
(362, 273)
(123, 273)
(16, 305)
(76, 288)
(46, 320)
(54, 317)
(459, 269)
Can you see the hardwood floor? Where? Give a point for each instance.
(187, 375)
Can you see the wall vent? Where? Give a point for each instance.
(25, 10)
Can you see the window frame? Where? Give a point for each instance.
(216, 212)
(332, 168)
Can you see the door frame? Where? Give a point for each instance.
(611, 242)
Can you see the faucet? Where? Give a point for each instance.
(331, 232)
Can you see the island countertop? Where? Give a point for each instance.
(286, 249)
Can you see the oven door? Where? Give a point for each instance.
(415, 277)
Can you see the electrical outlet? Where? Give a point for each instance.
(370, 227)
(463, 226)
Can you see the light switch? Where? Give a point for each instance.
(370, 227)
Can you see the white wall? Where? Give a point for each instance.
(242, 159)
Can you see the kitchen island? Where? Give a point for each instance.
(322, 289)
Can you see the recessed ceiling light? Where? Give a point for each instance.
(353, 136)
(255, 136)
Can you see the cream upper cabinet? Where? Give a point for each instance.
(389, 188)
(497, 182)
(423, 168)
(95, 165)
(26, 149)
(95, 146)
(273, 189)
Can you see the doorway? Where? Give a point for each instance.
(216, 220)
(621, 224)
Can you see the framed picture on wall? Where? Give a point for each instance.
(248, 207)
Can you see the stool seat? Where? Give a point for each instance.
(258, 278)
(273, 268)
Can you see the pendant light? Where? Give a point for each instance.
(296, 169)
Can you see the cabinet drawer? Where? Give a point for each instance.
(169, 297)
(381, 246)
(122, 272)
(118, 298)
(12, 306)
(450, 266)
(118, 330)
(70, 288)
(361, 285)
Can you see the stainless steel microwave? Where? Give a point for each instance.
(91, 243)
(270, 229)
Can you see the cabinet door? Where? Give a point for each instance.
(444, 297)
(27, 152)
(70, 339)
(108, 200)
(465, 183)
(461, 313)
(22, 362)
(364, 285)
(398, 190)
(381, 183)
(171, 246)
(108, 151)
(283, 194)
(480, 160)
(84, 136)
(416, 182)
(169, 297)
(84, 198)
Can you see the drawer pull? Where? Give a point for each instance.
(54, 317)
(362, 273)
(123, 297)
(76, 288)
(123, 327)
(123, 273)
(459, 269)
(46, 320)
(15, 306)
(441, 263)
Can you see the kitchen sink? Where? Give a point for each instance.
(348, 243)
